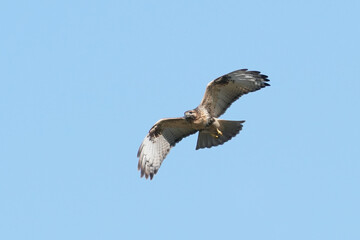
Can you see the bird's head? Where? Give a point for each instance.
(190, 115)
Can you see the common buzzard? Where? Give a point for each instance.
(219, 95)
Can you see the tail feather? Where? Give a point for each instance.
(229, 130)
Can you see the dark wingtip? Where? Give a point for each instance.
(264, 77)
(142, 172)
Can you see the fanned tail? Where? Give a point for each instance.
(229, 129)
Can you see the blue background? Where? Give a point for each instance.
(81, 83)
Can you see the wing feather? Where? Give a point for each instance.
(223, 91)
(158, 142)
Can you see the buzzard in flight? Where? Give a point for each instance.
(219, 95)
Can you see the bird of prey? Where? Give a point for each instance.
(219, 95)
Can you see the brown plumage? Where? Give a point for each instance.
(219, 95)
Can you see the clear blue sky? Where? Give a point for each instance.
(81, 83)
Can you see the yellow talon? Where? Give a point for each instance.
(214, 135)
(219, 133)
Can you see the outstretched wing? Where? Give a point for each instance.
(157, 144)
(225, 90)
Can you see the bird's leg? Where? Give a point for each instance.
(219, 133)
